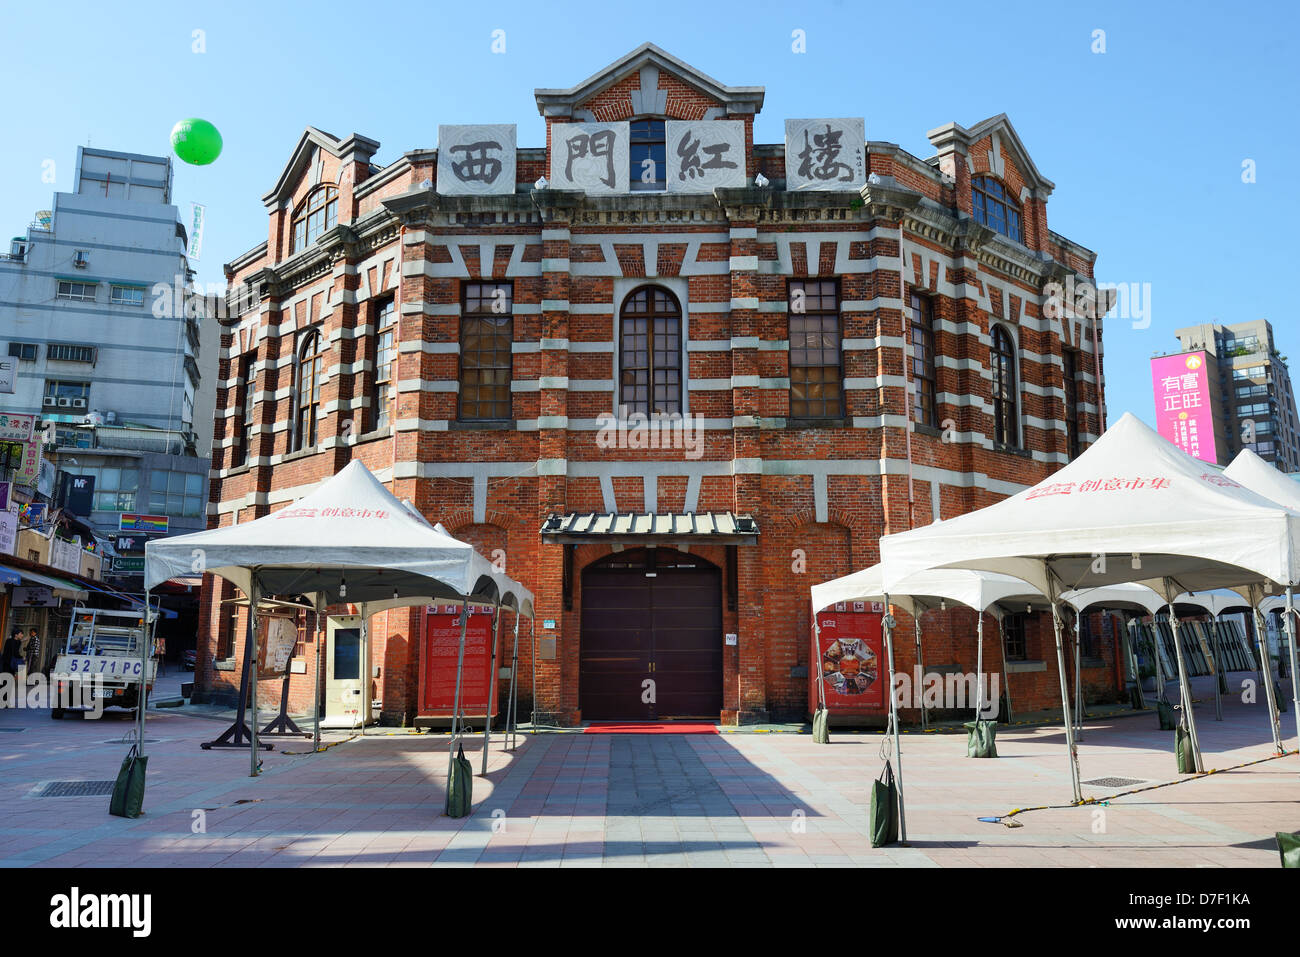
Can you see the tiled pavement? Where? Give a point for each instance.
(573, 800)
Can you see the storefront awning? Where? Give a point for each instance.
(650, 528)
(9, 577)
(60, 586)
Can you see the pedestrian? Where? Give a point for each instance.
(35, 662)
(11, 650)
(18, 661)
(159, 651)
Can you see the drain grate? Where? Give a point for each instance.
(63, 789)
(1114, 782)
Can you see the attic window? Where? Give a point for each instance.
(316, 214)
(647, 155)
(995, 208)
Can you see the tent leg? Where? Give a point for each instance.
(492, 689)
(1065, 704)
(146, 650)
(455, 708)
(1291, 657)
(532, 643)
(1185, 689)
(512, 714)
(316, 691)
(1006, 679)
(979, 668)
(254, 596)
(1266, 673)
(1219, 674)
(1159, 658)
(1078, 682)
(893, 720)
(916, 622)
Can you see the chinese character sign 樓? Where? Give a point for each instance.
(476, 160)
(592, 157)
(703, 155)
(1184, 413)
(825, 154)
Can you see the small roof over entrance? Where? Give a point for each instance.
(649, 528)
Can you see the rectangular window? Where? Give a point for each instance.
(385, 323)
(923, 373)
(243, 418)
(26, 351)
(62, 353)
(126, 295)
(647, 154)
(176, 493)
(816, 374)
(71, 391)
(1069, 375)
(76, 291)
(486, 334)
(1014, 628)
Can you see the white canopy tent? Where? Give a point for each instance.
(916, 595)
(348, 541)
(1133, 507)
(1258, 476)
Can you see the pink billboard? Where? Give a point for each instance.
(1183, 412)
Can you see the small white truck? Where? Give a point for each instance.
(101, 660)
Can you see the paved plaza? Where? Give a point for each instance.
(739, 798)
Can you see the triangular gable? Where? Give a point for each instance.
(356, 147)
(648, 59)
(1008, 141)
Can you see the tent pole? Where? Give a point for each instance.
(816, 662)
(1183, 686)
(455, 708)
(1006, 679)
(363, 709)
(1266, 668)
(1219, 678)
(1078, 680)
(532, 644)
(916, 623)
(1156, 641)
(146, 641)
(893, 719)
(315, 736)
(1065, 702)
(511, 714)
(979, 668)
(254, 596)
(1291, 655)
(492, 688)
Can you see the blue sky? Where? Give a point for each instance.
(1145, 142)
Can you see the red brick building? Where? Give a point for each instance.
(803, 387)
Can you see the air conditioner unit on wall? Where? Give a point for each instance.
(50, 402)
(78, 403)
(64, 402)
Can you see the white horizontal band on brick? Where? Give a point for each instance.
(778, 307)
(430, 348)
(744, 302)
(744, 232)
(869, 345)
(421, 425)
(742, 263)
(555, 265)
(1049, 392)
(555, 233)
(428, 385)
(348, 368)
(874, 382)
(951, 398)
(555, 305)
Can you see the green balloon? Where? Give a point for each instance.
(196, 141)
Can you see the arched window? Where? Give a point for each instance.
(314, 215)
(1005, 421)
(311, 358)
(923, 384)
(995, 207)
(650, 347)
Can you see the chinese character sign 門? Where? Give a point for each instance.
(592, 157)
(476, 160)
(825, 154)
(1183, 410)
(704, 155)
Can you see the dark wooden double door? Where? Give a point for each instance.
(651, 638)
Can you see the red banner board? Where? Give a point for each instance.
(438, 653)
(850, 660)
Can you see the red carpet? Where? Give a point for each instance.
(650, 727)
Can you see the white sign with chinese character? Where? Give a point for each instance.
(825, 154)
(8, 532)
(592, 157)
(704, 155)
(476, 160)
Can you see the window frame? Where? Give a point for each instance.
(243, 417)
(475, 299)
(652, 352)
(1006, 400)
(69, 296)
(114, 298)
(384, 321)
(309, 208)
(83, 354)
(1070, 402)
(838, 411)
(1000, 196)
(1015, 636)
(646, 143)
(925, 386)
(305, 417)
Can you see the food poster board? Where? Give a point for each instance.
(439, 650)
(850, 659)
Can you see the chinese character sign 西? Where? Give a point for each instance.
(476, 160)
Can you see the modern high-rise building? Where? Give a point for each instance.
(1250, 388)
(103, 333)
